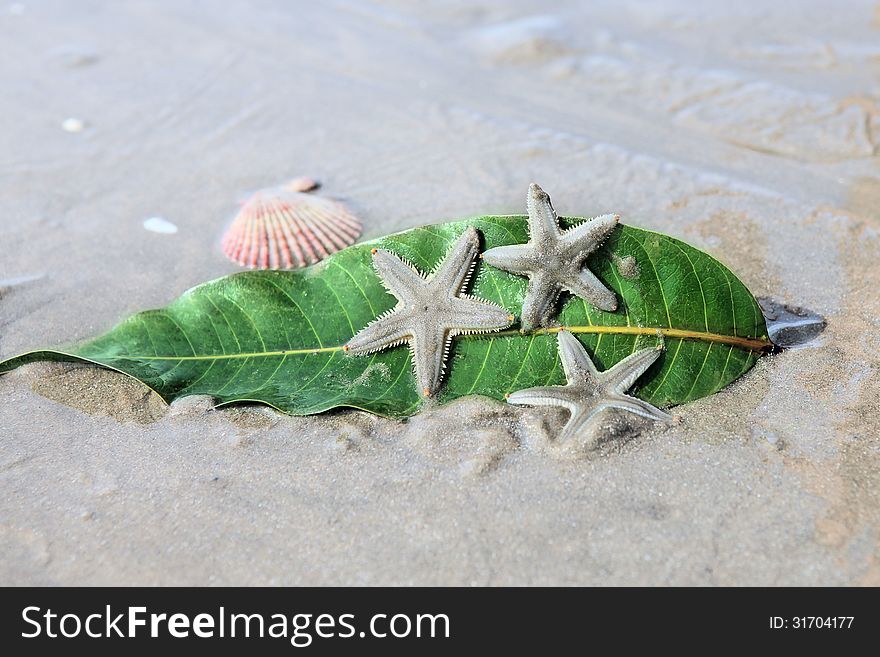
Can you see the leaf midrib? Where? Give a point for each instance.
(752, 344)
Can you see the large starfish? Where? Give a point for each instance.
(553, 260)
(588, 392)
(431, 310)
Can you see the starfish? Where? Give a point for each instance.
(553, 260)
(588, 392)
(430, 311)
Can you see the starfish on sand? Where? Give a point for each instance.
(431, 310)
(588, 391)
(553, 260)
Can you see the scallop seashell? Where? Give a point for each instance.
(285, 228)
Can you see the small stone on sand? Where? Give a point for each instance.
(72, 56)
(73, 124)
(160, 225)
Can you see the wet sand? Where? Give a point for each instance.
(749, 132)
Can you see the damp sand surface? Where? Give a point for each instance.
(749, 132)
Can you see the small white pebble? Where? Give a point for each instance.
(73, 124)
(72, 55)
(160, 225)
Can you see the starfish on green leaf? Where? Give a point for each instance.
(589, 392)
(553, 260)
(431, 310)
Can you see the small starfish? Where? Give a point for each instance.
(588, 391)
(553, 260)
(431, 310)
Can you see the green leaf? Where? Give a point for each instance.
(276, 336)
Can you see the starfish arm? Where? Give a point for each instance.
(591, 289)
(624, 374)
(385, 331)
(637, 406)
(542, 396)
(398, 276)
(430, 351)
(472, 315)
(543, 223)
(575, 362)
(455, 269)
(582, 422)
(541, 295)
(588, 236)
(516, 258)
